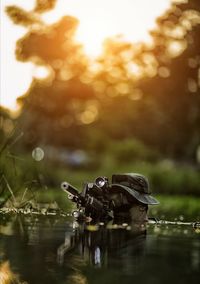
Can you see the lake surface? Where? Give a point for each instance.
(59, 250)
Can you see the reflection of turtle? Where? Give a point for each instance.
(128, 196)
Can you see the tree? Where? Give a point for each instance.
(52, 107)
(175, 90)
(131, 90)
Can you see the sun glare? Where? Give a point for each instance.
(98, 20)
(40, 72)
(102, 19)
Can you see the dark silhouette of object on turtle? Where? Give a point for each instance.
(126, 198)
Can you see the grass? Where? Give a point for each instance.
(171, 207)
(176, 186)
(182, 208)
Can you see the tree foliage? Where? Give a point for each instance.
(21, 17)
(151, 93)
(44, 5)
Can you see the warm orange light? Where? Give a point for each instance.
(103, 19)
(6, 274)
(132, 19)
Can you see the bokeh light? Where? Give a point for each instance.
(38, 154)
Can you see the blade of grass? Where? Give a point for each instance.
(9, 188)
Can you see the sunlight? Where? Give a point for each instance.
(40, 72)
(175, 48)
(102, 19)
(99, 20)
(20, 74)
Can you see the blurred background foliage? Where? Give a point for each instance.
(135, 108)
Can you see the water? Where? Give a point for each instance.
(58, 250)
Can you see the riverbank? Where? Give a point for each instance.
(176, 208)
(54, 202)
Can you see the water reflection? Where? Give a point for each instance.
(56, 250)
(109, 245)
(6, 274)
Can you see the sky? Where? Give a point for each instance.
(98, 19)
